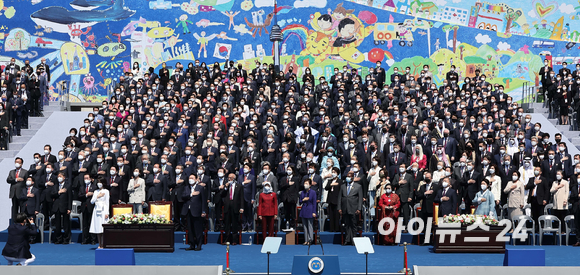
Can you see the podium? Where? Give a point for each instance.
(290, 236)
(327, 265)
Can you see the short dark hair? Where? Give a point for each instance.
(344, 22)
(20, 218)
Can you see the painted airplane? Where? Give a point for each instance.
(59, 18)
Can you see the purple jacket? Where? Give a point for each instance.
(309, 206)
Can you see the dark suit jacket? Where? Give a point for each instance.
(30, 204)
(196, 205)
(404, 191)
(61, 202)
(157, 191)
(427, 199)
(447, 207)
(542, 192)
(18, 242)
(471, 189)
(15, 186)
(350, 203)
(289, 193)
(238, 201)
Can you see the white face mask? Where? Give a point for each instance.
(445, 184)
(515, 178)
(483, 187)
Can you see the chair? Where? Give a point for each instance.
(548, 208)
(162, 208)
(322, 216)
(546, 224)
(569, 223)
(525, 229)
(50, 228)
(504, 212)
(211, 216)
(120, 209)
(40, 225)
(75, 212)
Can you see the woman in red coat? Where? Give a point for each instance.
(389, 205)
(267, 210)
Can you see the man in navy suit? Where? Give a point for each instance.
(195, 208)
(61, 206)
(30, 198)
(248, 182)
(17, 248)
(447, 199)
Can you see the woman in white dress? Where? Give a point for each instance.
(101, 211)
(373, 177)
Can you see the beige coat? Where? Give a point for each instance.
(560, 195)
(515, 196)
(136, 195)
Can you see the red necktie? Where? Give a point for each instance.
(231, 193)
(17, 173)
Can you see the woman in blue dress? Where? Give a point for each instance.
(485, 200)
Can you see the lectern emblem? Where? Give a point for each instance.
(315, 265)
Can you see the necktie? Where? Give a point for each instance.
(29, 190)
(232, 192)
(348, 191)
(17, 173)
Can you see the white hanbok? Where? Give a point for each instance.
(100, 211)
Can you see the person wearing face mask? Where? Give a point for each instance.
(538, 189)
(195, 208)
(333, 187)
(350, 205)
(308, 211)
(403, 183)
(62, 203)
(100, 200)
(30, 199)
(267, 210)
(515, 191)
(485, 200)
(289, 187)
(136, 191)
(470, 180)
(16, 178)
(86, 191)
(233, 207)
(447, 198)
(560, 190)
(389, 206)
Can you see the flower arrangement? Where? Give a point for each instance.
(138, 219)
(467, 220)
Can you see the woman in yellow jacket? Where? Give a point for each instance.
(560, 191)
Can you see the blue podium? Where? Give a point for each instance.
(115, 256)
(315, 265)
(524, 257)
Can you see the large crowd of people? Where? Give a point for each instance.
(234, 145)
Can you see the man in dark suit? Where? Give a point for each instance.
(195, 208)
(350, 206)
(157, 185)
(550, 166)
(289, 187)
(470, 181)
(61, 206)
(16, 180)
(538, 194)
(47, 157)
(17, 248)
(426, 195)
(17, 112)
(30, 199)
(447, 199)
(402, 182)
(87, 187)
(233, 205)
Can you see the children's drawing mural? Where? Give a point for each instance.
(89, 44)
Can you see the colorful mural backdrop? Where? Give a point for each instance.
(89, 43)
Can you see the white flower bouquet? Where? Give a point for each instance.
(138, 219)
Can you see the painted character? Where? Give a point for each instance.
(346, 33)
(183, 23)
